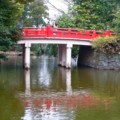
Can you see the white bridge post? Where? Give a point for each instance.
(27, 55)
(23, 55)
(68, 55)
(62, 55)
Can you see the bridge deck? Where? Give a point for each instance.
(52, 40)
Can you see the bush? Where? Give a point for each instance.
(3, 56)
(107, 45)
(116, 21)
(8, 38)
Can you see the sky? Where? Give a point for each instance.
(59, 4)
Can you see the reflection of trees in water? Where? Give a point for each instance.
(11, 75)
(106, 82)
(102, 81)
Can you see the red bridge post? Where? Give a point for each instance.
(94, 35)
(25, 32)
(49, 31)
(107, 33)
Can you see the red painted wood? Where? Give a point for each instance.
(63, 33)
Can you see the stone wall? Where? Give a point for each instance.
(88, 57)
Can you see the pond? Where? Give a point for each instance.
(48, 91)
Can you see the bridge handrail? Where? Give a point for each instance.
(63, 32)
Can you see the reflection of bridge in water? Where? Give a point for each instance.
(50, 104)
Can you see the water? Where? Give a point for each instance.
(49, 92)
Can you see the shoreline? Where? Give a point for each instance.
(12, 53)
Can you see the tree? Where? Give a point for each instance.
(66, 21)
(10, 11)
(8, 18)
(51, 50)
(94, 14)
(116, 20)
(23, 1)
(34, 13)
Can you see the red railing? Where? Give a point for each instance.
(63, 33)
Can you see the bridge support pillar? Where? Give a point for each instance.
(68, 55)
(27, 55)
(64, 55)
(60, 55)
(23, 55)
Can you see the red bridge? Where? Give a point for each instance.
(66, 33)
(65, 38)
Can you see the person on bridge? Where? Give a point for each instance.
(20, 24)
(55, 25)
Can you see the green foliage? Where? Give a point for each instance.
(52, 50)
(3, 56)
(34, 13)
(36, 49)
(8, 38)
(15, 34)
(93, 14)
(65, 21)
(75, 51)
(24, 1)
(9, 13)
(107, 45)
(116, 21)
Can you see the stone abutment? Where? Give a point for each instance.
(90, 58)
